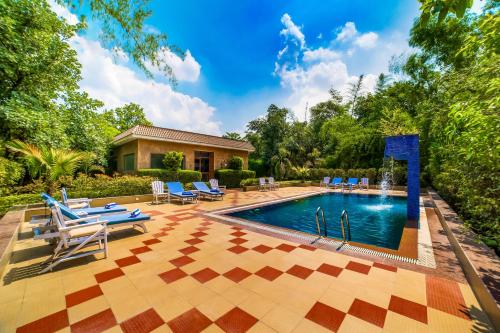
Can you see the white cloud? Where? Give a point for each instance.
(320, 54)
(282, 51)
(63, 12)
(319, 36)
(347, 32)
(291, 30)
(187, 69)
(115, 85)
(367, 41)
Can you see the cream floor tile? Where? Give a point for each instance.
(281, 319)
(198, 295)
(8, 315)
(442, 322)
(338, 299)
(395, 323)
(213, 329)
(215, 307)
(172, 307)
(87, 309)
(307, 326)
(257, 305)
(260, 327)
(355, 325)
(237, 294)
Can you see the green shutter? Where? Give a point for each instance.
(157, 161)
(129, 162)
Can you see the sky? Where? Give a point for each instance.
(242, 56)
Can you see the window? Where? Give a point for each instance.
(129, 162)
(157, 161)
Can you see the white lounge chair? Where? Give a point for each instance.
(74, 203)
(74, 237)
(158, 191)
(272, 184)
(325, 182)
(263, 185)
(214, 184)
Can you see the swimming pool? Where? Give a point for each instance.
(374, 220)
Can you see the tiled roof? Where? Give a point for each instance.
(168, 134)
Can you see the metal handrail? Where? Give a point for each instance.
(344, 219)
(324, 222)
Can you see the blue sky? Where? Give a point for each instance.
(245, 55)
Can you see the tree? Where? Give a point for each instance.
(123, 29)
(37, 67)
(441, 8)
(280, 163)
(48, 163)
(173, 160)
(232, 136)
(127, 116)
(382, 82)
(355, 92)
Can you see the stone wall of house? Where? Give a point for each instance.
(127, 148)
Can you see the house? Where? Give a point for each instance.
(143, 147)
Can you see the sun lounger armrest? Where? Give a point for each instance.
(84, 225)
(79, 200)
(83, 219)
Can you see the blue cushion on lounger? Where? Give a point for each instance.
(110, 205)
(124, 218)
(135, 212)
(187, 193)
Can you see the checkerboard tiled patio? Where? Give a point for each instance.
(194, 274)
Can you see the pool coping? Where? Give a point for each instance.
(425, 253)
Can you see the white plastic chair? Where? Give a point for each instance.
(214, 184)
(325, 182)
(263, 185)
(364, 183)
(158, 191)
(272, 184)
(74, 203)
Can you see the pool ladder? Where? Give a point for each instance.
(344, 225)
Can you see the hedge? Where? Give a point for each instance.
(235, 163)
(374, 175)
(183, 176)
(233, 178)
(105, 186)
(20, 199)
(258, 166)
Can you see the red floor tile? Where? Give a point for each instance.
(368, 312)
(189, 250)
(236, 228)
(194, 241)
(238, 249)
(96, 323)
(300, 271)
(326, 316)
(153, 212)
(205, 275)
(357, 267)
(139, 250)
(408, 309)
(238, 233)
(307, 247)
(108, 275)
(269, 273)
(127, 261)
(160, 234)
(238, 241)
(142, 323)
(167, 229)
(445, 295)
(237, 274)
(172, 275)
(202, 228)
(199, 234)
(181, 261)
(236, 321)
(285, 247)
(329, 269)
(262, 248)
(386, 267)
(152, 241)
(49, 324)
(205, 223)
(83, 295)
(192, 321)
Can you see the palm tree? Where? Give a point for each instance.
(280, 162)
(48, 163)
(88, 165)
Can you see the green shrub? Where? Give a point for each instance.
(173, 160)
(235, 163)
(20, 199)
(161, 174)
(249, 182)
(338, 173)
(10, 174)
(233, 178)
(258, 166)
(188, 176)
(105, 186)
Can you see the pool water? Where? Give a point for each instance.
(374, 219)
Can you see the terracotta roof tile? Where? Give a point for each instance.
(168, 134)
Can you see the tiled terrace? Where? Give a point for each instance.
(191, 273)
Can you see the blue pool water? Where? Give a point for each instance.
(374, 220)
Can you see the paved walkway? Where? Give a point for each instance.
(194, 274)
